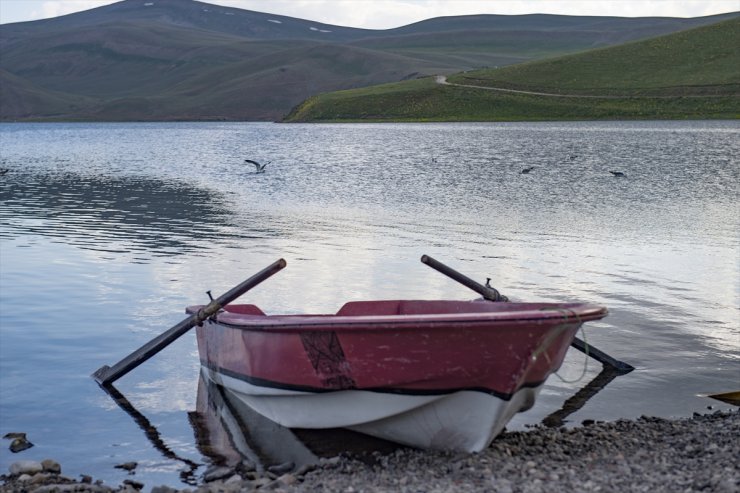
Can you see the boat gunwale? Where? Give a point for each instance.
(569, 313)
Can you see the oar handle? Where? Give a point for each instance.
(107, 375)
(490, 294)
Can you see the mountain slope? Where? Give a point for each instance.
(189, 14)
(690, 74)
(183, 59)
(696, 61)
(236, 90)
(21, 97)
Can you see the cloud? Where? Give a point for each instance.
(383, 14)
(57, 8)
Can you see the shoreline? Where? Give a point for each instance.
(391, 120)
(648, 454)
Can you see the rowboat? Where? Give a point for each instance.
(440, 374)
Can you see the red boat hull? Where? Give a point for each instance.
(397, 346)
(440, 374)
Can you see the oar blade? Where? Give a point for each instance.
(609, 362)
(106, 375)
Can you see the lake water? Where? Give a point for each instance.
(108, 231)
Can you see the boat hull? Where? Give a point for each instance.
(442, 375)
(465, 420)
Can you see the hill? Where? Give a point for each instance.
(189, 60)
(705, 60)
(689, 74)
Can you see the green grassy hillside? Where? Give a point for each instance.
(704, 60)
(690, 74)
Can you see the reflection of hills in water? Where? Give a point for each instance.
(228, 431)
(112, 213)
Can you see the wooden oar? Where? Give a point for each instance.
(106, 375)
(601, 356)
(493, 295)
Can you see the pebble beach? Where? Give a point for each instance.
(698, 454)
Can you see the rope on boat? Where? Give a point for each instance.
(556, 332)
(585, 362)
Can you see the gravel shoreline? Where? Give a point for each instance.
(699, 454)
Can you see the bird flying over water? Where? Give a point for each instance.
(260, 168)
(527, 170)
(617, 173)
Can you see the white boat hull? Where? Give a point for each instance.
(465, 420)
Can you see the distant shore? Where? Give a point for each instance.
(649, 454)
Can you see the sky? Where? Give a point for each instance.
(385, 14)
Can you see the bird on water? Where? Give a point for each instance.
(617, 173)
(526, 171)
(260, 168)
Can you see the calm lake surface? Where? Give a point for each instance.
(108, 231)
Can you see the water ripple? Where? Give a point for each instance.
(107, 231)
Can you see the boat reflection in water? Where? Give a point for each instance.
(228, 432)
(188, 474)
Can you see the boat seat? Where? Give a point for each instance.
(360, 308)
(410, 307)
(244, 309)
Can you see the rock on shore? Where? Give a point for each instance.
(653, 455)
